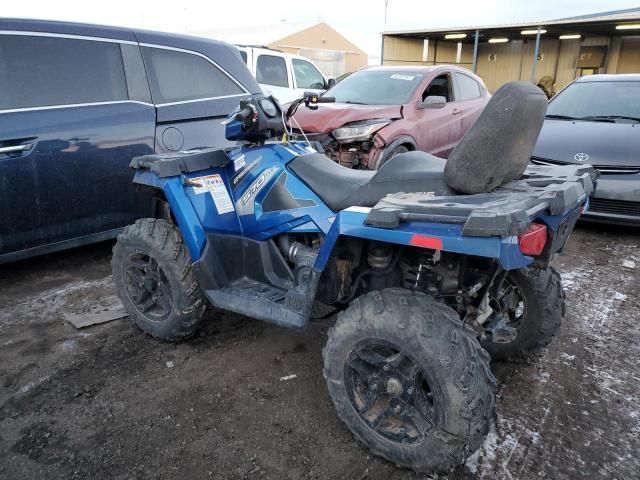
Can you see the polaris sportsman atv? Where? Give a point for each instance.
(433, 267)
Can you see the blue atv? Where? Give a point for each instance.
(433, 267)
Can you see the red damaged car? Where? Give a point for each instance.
(382, 111)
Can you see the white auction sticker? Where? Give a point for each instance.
(215, 186)
(397, 76)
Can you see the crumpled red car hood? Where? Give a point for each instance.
(330, 116)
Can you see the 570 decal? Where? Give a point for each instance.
(254, 188)
(244, 204)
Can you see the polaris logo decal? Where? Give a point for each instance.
(244, 172)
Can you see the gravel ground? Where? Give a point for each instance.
(109, 402)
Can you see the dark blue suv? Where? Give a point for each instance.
(78, 102)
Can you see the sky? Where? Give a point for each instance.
(360, 20)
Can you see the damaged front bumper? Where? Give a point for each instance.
(358, 154)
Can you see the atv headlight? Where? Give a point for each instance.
(359, 131)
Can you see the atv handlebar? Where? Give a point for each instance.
(256, 123)
(310, 100)
(243, 114)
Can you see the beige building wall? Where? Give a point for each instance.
(613, 56)
(546, 66)
(322, 37)
(569, 50)
(416, 51)
(403, 51)
(446, 52)
(499, 62)
(629, 61)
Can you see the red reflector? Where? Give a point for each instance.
(426, 242)
(532, 242)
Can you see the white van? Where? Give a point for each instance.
(283, 75)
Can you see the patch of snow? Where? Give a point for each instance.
(78, 293)
(31, 385)
(543, 376)
(629, 264)
(574, 279)
(492, 459)
(69, 345)
(486, 454)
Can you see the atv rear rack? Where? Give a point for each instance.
(508, 210)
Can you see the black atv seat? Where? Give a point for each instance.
(494, 151)
(341, 187)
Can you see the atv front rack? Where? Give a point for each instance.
(176, 163)
(507, 211)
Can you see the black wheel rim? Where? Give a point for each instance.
(510, 302)
(147, 286)
(390, 392)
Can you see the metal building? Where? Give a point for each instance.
(332, 52)
(550, 53)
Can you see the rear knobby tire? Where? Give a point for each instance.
(544, 308)
(180, 304)
(450, 359)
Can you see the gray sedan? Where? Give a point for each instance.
(596, 120)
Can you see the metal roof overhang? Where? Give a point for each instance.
(554, 28)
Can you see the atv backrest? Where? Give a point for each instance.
(497, 148)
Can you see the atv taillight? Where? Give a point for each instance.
(425, 241)
(532, 241)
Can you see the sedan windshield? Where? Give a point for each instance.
(598, 101)
(376, 87)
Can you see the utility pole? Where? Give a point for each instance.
(386, 4)
(536, 50)
(475, 51)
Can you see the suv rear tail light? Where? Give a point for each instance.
(532, 241)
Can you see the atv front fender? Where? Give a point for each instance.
(186, 217)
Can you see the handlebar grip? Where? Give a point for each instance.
(326, 99)
(243, 114)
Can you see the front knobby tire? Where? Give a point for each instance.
(154, 277)
(535, 304)
(409, 379)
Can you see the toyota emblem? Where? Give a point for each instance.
(581, 157)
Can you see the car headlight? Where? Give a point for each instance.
(359, 131)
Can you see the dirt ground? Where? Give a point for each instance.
(109, 402)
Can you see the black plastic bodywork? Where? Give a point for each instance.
(507, 211)
(252, 278)
(279, 198)
(172, 164)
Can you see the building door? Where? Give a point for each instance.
(587, 71)
(590, 59)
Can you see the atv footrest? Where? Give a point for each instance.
(261, 301)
